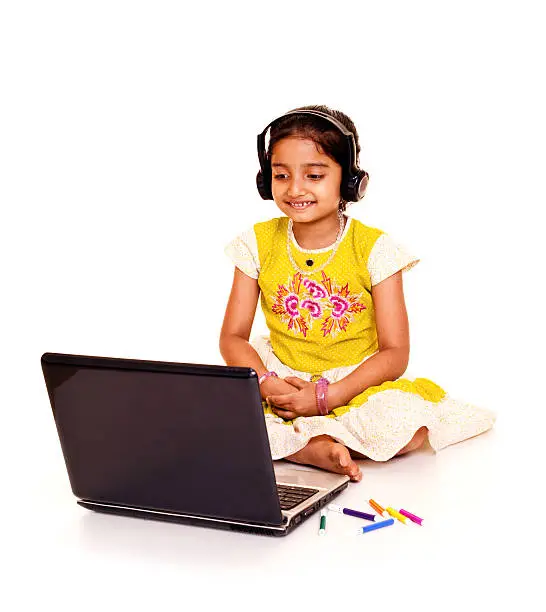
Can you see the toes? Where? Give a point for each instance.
(346, 463)
(354, 472)
(337, 458)
(340, 455)
(344, 459)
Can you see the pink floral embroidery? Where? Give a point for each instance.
(291, 305)
(305, 300)
(314, 288)
(345, 305)
(313, 307)
(340, 306)
(286, 305)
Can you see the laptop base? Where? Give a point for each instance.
(171, 517)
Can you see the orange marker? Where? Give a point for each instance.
(396, 515)
(378, 508)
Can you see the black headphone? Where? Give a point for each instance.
(354, 180)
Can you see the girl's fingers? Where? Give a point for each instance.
(279, 400)
(285, 414)
(297, 382)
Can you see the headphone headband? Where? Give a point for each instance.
(354, 181)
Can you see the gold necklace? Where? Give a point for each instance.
(290, 236)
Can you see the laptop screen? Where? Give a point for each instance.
(187, 441)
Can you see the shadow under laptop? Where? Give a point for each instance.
(167, 542)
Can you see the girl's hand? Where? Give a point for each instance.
(276, 386)
(292, 405)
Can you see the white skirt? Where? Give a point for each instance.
(378, 428)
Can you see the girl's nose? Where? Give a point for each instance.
(294, 187)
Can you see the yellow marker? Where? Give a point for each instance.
(396, 515)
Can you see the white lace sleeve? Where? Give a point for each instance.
(243, 252)
(388, 257)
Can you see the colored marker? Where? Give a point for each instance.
(378, 508)
(363, 515)
(322, 529)
(375, 526)
(412, 517)
(396, 515)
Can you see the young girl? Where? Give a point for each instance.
(331, 292)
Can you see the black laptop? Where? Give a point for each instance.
(178, 442)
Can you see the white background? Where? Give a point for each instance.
(128, 160)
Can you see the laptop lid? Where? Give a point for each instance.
(175, 437)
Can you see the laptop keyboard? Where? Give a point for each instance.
(291, 496)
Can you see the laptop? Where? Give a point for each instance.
(180, 442)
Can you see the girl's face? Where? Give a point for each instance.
(300, 173)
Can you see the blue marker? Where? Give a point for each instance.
(376, 526)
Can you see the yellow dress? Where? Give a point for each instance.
(323, 324)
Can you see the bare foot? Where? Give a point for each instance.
(417, 441)
(356, 455)
(324, 452)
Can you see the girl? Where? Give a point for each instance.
(332, 296)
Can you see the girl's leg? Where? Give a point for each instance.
(356, 455)
(416, 442)
(324, 452)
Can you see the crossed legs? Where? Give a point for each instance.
(325, 452)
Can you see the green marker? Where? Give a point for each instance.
(322, 529)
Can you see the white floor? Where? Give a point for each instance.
(482, 543)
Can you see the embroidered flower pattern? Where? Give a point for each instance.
(305, 300)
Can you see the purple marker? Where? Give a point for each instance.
(363, 515)
(412, 517)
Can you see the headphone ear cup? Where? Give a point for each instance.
(355, 186)
(362, 184)
(264, 187)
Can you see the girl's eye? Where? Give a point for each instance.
(314, 177)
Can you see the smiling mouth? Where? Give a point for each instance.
(301, 205)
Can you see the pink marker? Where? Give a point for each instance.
(412, 517)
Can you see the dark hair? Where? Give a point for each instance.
(321, 131)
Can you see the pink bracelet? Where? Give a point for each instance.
(322, 397)
(266, 375)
